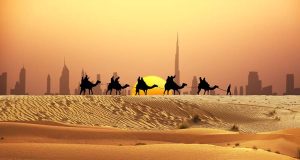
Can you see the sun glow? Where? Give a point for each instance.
(150, 81)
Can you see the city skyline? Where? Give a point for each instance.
(218, 40)
(254, 86)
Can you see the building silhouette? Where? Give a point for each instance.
(64, 81)
(290, 86)
(241, 90)
(194, 87)
(3, 83)
(98, 90)
(48, 87)
(20, 86)
(235, 92)
(254, 86)
(177, 71)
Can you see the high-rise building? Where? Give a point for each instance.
(235, 92)
(290, 86)
(241, 90)
(268, 90)
(64, 86)
(177, 71)
(20, 86)
(194, 88)
(254, 86)
(48, 91)
(3, 83)
(98, 90)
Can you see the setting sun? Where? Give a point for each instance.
(150, 81)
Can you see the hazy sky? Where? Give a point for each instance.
(220, 39)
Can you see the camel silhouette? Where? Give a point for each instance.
(206, 88)
(141, 85)
(171, 85)
(88, 85)
(117, 87)
(115, 84)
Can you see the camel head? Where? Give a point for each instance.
(98, 82)
(125, 86)
(216, 86)
(184, 84)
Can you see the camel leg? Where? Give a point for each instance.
(164, 91)
(168, 92)
(199, 90)
(80, 91)
(178, 92)
(204, 92)
(92, 91)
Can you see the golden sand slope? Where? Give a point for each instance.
(35, 141)
(250, 113)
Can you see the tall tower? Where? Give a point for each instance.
(3, 83)
(23, 81)
(48, 91)
(20, 86)
(194, 88)
(289, 84)
(64, 88)
(177, 72)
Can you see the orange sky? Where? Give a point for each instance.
(220, 39)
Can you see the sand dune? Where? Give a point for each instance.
(250, 113)
(34, 141)
(146, 127)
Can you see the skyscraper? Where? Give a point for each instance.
(3, 83)
(290, 82)
(48, 91)
(290, 86)
(241, 90)
(235, 92)
(177, 71)
(254, 84)
(64, 88)
(194, 88)
(20, 86)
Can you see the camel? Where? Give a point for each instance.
(88, 85)
(171, 85)
(117, 87)
(206, 88)
(141, 85)
(144, 88)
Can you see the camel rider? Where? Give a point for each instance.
(142, 81)
(117, 80)
(86, 79)
(112, 80)
(205, 83)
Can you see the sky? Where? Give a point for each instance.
(220, 40)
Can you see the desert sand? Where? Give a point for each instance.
(147, 127)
